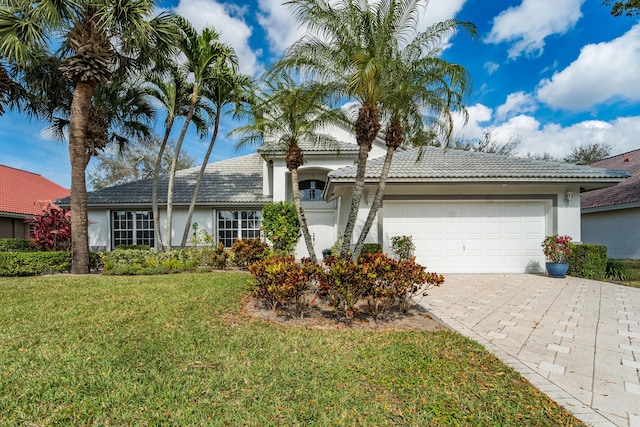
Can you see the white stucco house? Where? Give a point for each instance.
(611, 216)
(466, 212)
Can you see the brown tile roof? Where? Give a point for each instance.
(21, 191)
(625, 193)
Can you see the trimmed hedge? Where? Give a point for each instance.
(588, 261)
(34, 263)
(16, 245)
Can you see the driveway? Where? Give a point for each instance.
(576, 340)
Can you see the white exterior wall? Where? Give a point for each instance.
(99, 230)
(569, 215)
(618, 230)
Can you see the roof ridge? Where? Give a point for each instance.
(22, 170)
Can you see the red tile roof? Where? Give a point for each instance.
(23, 192)
(624, 193)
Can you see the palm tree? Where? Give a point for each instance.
(202, 52)
(351, 44)
(173, 92)
(422, 93)
(100, 36)
(286, 114)
(223, 86)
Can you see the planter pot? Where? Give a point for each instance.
(557, 269)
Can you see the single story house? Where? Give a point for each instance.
(23, 195)
(466, 212)
(611, 215)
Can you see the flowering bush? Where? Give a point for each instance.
(557, 248)
(52, 229)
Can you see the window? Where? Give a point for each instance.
(133, 228)
(311, 190)
(233, 225)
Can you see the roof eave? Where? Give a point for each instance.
(610, 208)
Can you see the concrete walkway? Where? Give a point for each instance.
(576, 340)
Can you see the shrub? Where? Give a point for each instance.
(281, 226)
(143, 261)
(371, 248)
(279, 280)
(402, 247)
(617, 270)
(136, 247)
(248, 251)
(343, 283)
(52, 229)
(588, 261)
(16, 245)
(34, 263)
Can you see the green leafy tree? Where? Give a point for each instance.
(285, 114)
(133, 163)
(223, 86)
(203, 51)
(588, 153)
(173, 91)
(488, 144)
(354, 45)
(624, 7)
(98, 38)
(280, 225)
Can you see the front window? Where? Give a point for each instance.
(311, 190)
(133, 228)
(233, 225)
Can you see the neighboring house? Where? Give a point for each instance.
(611, 216)
(23, 195)
(466, 212)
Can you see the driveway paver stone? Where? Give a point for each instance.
(574, 339)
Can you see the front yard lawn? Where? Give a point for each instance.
(176, 350)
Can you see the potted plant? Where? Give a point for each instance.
(557, 249)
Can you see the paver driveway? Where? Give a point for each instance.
(576, 340)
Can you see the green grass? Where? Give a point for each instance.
(175, 350)
(633, 268)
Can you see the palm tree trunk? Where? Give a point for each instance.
(172, 172)
(367, 126)
(154, 189)
(301, 217)
(196, 188)
(79, 158)
(375, 204)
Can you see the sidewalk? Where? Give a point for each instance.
(576, 340)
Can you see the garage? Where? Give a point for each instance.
(471, 236)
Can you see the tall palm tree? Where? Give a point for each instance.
(223, 86)
(99, 36)
(422, 94)
(202, 52)
(286, 114)
(352, 42)
(173, 91)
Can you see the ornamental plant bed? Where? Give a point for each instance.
(321, 315)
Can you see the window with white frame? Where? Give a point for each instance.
(132, 228)
(233, 225)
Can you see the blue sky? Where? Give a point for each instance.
(556, 73)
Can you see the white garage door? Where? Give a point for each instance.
(471, 237)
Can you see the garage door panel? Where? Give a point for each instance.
(471, 236)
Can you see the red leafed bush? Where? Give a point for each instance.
(279, 280)
(52, 229)
(248, 251)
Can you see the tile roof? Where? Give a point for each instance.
(432, 164)
(624, 193)
(233, 181)
(311, 147)
(20, 191)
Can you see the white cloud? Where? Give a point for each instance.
(552, 138)
(228, 21)
(602, 72)
(531, 22)
(280, 25)
(516, 103)
(491, 67)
